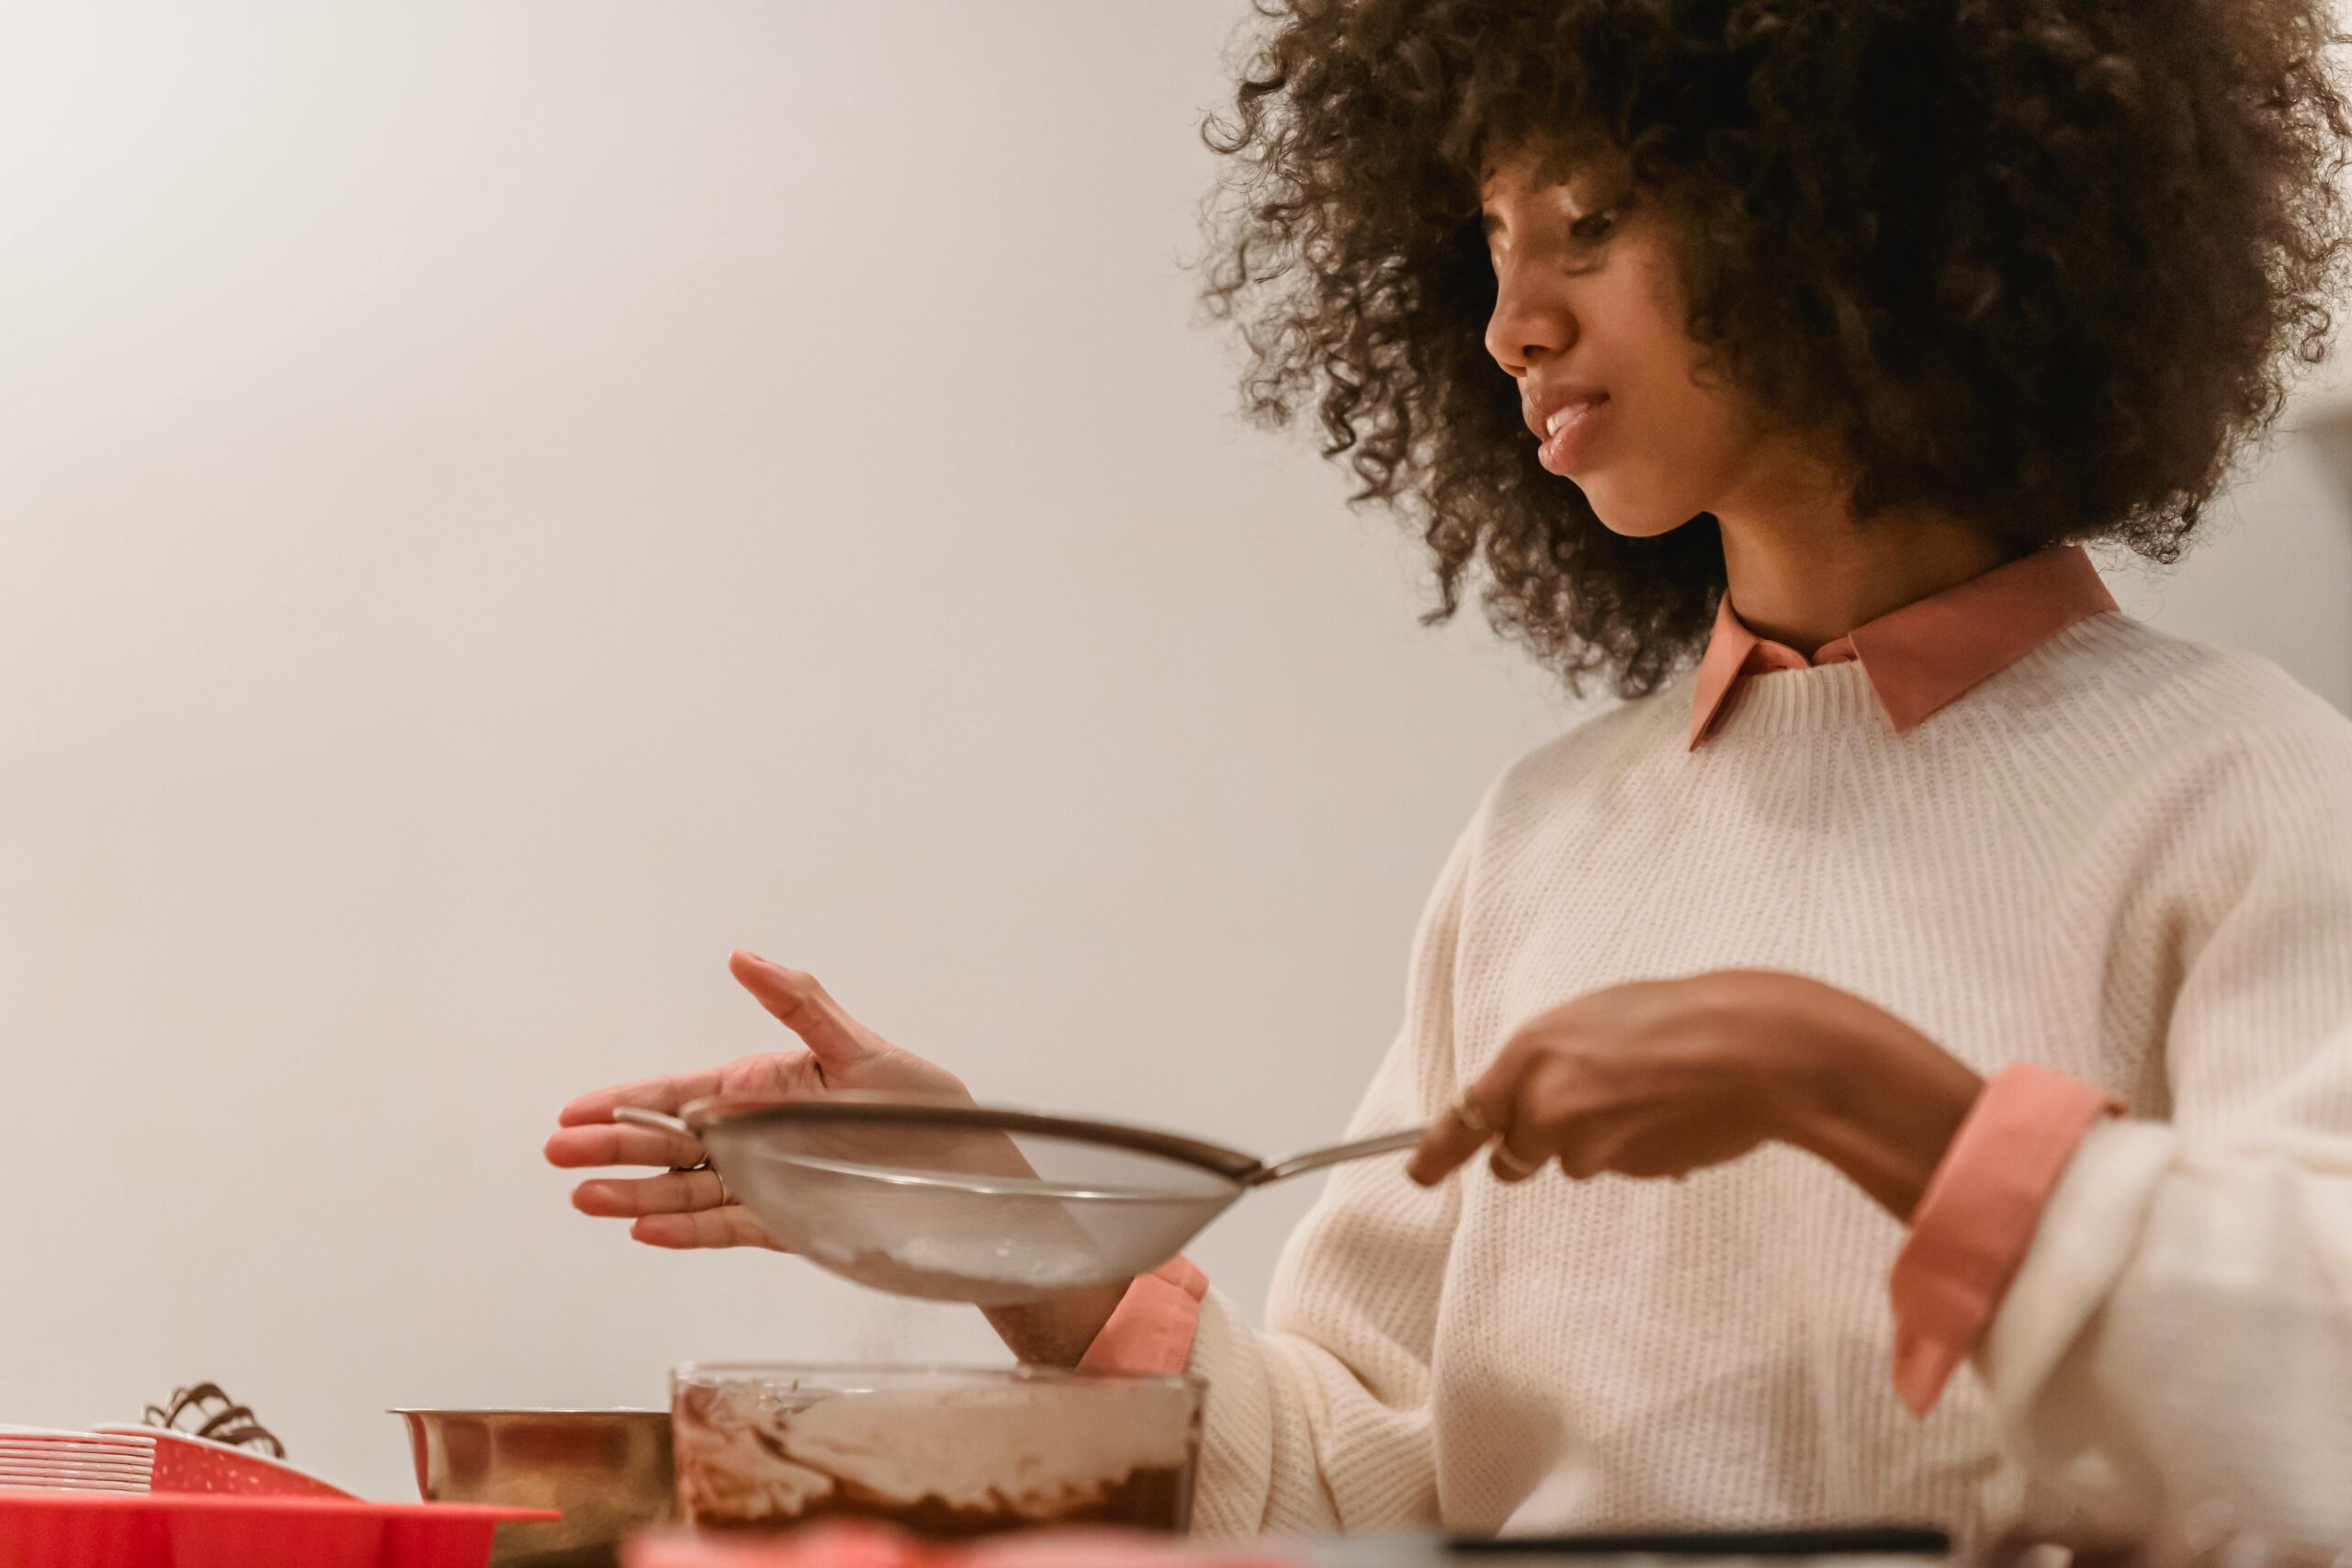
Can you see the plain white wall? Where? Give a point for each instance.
(505, 503)
(2271, 568)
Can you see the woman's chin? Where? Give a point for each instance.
(1631, 518)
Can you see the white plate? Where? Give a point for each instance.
(74, 1467)
(50, 1461)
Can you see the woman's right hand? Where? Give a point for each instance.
(691, 1208)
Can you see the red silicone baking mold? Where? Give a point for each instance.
(81, 1530)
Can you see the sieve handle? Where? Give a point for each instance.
(637, 1116)
(1338, 1154)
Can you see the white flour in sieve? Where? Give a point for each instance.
(967, 1270)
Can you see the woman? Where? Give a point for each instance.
(1977, 960)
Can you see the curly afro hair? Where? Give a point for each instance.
(2041, 263)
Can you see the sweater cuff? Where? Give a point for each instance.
(1152, 1327)
(1977, 1217)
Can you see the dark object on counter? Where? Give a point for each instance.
(223, 1420)
(1876, 1541)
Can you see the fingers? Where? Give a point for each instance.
(674, 1193)
(1560, 1115)
(1453, 1139)
(679, 1209)
(1496, 1115)
(666, 1094)
(730, 1227)
(835, 1039)
(580, 1149)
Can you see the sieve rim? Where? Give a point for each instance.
(719, 1110)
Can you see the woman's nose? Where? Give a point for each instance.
(1529, 324)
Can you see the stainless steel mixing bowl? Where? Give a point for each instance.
(609, 1472)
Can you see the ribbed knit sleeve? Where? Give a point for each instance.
(2180, 1331)
(1323, 1422)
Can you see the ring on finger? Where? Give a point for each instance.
(1466, 1112)
(724, 1197)
(1512, 1166)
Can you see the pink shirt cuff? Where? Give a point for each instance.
(1152, 1327)
(1978, 1216)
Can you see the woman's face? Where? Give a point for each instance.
(1589, 312)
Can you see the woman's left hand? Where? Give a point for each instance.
(1662, 1078)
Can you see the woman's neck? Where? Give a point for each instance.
(1804, 574)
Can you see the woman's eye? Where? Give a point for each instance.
(1593, 226)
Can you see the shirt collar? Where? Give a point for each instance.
(1920, 658)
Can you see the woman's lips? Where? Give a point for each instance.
(1571, 435)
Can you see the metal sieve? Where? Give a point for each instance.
(985, 1204)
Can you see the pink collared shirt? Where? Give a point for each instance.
(1921, 657)
(1979, 1212)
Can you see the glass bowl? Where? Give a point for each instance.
(943, 1451)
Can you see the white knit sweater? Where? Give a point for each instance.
(2127, 857)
